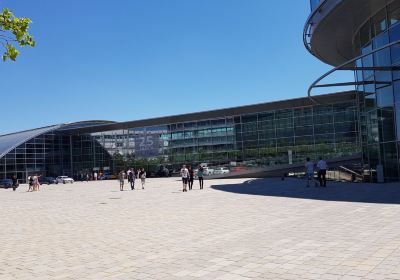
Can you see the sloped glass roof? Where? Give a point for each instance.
(13, 140)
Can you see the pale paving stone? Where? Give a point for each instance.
(94, 231)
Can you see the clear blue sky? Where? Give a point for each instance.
(133, 59)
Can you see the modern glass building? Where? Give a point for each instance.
(361, 126)
(264, 136)
(364, 36)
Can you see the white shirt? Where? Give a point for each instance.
(310, 167)
(322, 165)
(184, 173)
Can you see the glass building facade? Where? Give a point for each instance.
(54, 154)
(253, 137)
(380, 103)
(366, 37)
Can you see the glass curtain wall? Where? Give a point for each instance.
(54, 154)
(380, 103)
(261, 139)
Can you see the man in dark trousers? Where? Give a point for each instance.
(322, 167)
(131, 178)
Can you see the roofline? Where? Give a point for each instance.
(61, 125)
(221, 113)
(331, 98)
(26, 130)
(329, 30)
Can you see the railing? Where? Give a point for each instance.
(335, 174)
(350, 66)
(317, 7)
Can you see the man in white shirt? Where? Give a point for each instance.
(185, 177)
(322, 167)
(309, 171)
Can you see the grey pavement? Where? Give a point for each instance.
(233, 229)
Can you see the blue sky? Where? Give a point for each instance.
(133, 59)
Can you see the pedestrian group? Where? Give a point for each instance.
(322, 166)
(131, 176)
(187, 175)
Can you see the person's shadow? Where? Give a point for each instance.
(296, 188)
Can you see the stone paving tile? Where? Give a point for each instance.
(237, 229)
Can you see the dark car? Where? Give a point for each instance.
(107, 177)
(48, 180)
(6, 183)
(163, 172)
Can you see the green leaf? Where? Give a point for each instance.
(15, 34)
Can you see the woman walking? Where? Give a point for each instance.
(36, 184)
(200, 175)
(121, 178)
(191, 177)
(142, 176)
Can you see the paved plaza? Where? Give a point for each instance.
(233, 229)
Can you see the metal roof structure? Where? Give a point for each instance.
(221, 113)
(10, 141)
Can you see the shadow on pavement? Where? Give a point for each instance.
(336, 191)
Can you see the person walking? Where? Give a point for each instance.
(142, 176)
(185, 177)
(322, 167)
(14, 182)
(200, 175)
(95, 176)
(191, 177)
(131, 178)
(309, 169)
(30, 181)
(36, 184)
(121, 178)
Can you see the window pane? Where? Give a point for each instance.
(379, 22)
(365, 33)
(385, 96)
(394, 12)
(387, 125)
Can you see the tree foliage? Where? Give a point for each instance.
(13, 32)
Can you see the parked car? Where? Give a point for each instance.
(107, 177)
(162, 172)
(6, 183)
(48, 180)
(208, 171)
(64, 179)
(221, 171)
(175, 172)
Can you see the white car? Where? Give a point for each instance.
(208, 171)
(64, 179)
(221, 170)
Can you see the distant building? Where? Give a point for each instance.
(270, 134)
